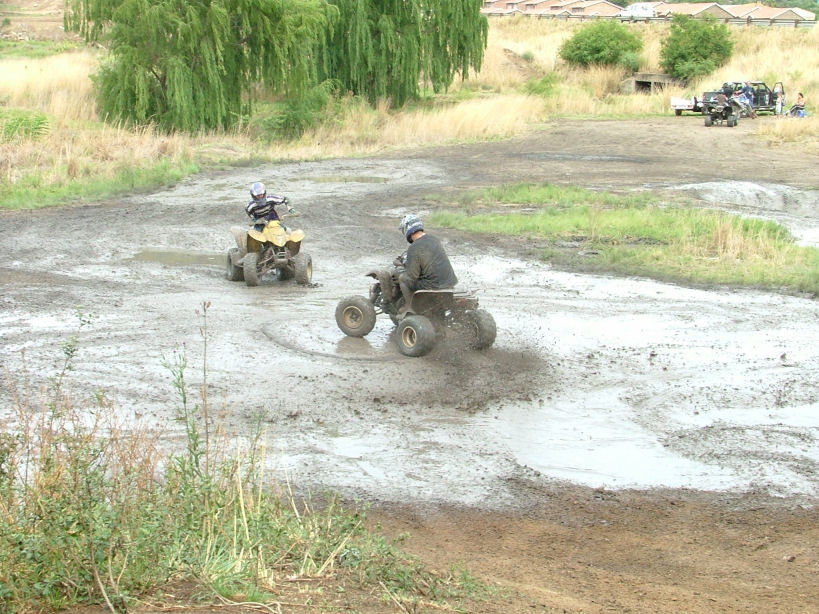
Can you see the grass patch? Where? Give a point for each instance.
(35, 48)
(19, 124)
(95, 511)
(629, 235)
(127, 179)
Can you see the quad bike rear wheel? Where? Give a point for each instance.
(234, 273)
(251, 268)
(415, 336)
(355, 316)
(482, 328)
(303, 268)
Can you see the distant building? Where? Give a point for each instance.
(754, 14)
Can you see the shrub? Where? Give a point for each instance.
(544, 86)
(695, 47)
(602, 42)
(17, 124)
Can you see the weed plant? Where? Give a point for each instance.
(94, 511)
(632, 235)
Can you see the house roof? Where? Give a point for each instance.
(605, 8)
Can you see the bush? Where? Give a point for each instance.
(602, 42)
(695, 47)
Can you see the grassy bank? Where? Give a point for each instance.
(631, 235)
(95, 511)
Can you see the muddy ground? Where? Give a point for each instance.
(627, 445)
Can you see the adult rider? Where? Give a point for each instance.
(426, 266)
(262, 208)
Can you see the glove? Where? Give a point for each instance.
(292, 211)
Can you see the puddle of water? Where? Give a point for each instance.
(345, 179)
(179, 258)
(598, 444)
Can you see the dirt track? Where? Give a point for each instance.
(625, 446)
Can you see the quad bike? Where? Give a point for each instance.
(722, 112)
(274, 247)
(428, 316)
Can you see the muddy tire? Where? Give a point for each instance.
(415, 336)
(251, 269)
(482, 329)
(303, 268)
(233, 272)
(355, 316)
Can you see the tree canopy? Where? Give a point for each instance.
(695, 47)
(384, 46)
(196, 64)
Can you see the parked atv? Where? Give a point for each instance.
(274, 247)
(430, 314)
(719, 110)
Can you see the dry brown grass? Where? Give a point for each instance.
(491, 104)
(58, 85)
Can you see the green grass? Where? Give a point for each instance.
(129, 179)
(631, 235)
(18, 124)
(34, 48)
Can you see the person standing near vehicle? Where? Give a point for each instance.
(262, 208)
(748, 94)
(426, 266)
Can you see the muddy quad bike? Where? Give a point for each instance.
(274, 247)
(430, 313)
(718, 112)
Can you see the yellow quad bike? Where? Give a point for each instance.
(274, 247)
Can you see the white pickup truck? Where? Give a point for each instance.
(686, 104)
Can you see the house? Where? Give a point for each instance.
(713, 9)
(645, 11)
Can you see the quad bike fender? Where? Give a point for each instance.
(385, 280)
(293, 247)
(240, 236)
(425, 301)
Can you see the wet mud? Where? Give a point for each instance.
(595, 381)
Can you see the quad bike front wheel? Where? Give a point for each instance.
(355, 316)
(482, 328)
(415, 336)
(234, 273)
(303, 268)
(709, 121)
(250, 268)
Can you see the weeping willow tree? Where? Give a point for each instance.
(384, 48)
(195, 64)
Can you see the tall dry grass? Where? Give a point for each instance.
(488, 104)
(58, 85)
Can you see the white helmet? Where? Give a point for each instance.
(258, 192)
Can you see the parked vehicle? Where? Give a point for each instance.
(764, 99)
(428, 317)
(274, 247)
(693, 104)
